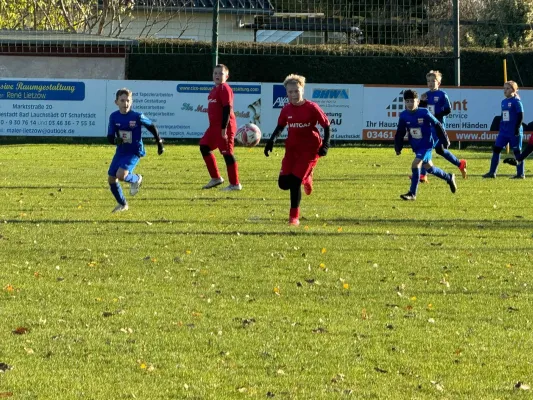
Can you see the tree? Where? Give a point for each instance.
(102, 17)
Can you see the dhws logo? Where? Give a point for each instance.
(279, 96)
(331, 94)
(396, 107)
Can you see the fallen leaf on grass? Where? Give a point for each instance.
(511, 309)
(383, 371)
(438, 386)
(9, 288)
(270, 394)
(364, 314)
(21, 331)
(4, 395)
(337, 378)
(320, 330)
(521, 386)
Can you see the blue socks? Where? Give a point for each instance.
(131, 178)
(116, 189)
(519, 167)
(451, 157)
(415, 178)
(495, 160)
(439, 173)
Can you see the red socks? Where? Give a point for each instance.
(211, 164)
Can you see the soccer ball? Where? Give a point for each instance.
(249, 135)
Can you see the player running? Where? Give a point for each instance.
(438, 103)
(303, 146)
(124, 130)
(221, 131)
(511, 131)
(419, 124)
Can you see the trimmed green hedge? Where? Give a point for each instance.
(254, 62)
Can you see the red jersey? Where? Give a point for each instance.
(301, 121)
(218, 97)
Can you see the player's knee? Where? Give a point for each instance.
(295, 181)
(205, 150)
(284, 182)
(229, 159)
(121, 174)
(497, 150)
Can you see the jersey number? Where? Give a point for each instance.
(416, 133)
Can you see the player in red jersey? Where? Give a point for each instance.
(303, 146)
(221, 132)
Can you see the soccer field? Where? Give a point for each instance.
(204, 294)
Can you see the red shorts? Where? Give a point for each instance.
(299, 163)
(213, 138)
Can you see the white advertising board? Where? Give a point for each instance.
(341, 103)
(179, 109)
(38, 107)
(474, 117)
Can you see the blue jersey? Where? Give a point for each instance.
(419, 125)
(438, 102)
(510, 108)
(128, 128)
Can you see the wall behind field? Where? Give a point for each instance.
(62, 67)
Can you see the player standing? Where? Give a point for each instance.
(438, 103)
(124, 130)
(511, 131)
(303, 146)
(419, 124)
(221, 131)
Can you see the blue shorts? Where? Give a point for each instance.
(423, 154)
(515, 142)
(124, 161)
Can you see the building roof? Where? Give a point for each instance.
(225, 6)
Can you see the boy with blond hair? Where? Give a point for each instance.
(438, 103)
(303, 146)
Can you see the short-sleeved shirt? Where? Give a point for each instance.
(510, 108)
(419, 125)
(220, 96)
(301, 124)
(128, 127)
(437, 102)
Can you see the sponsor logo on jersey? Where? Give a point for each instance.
(436, 99)
(212, 100)
(330, 94)
(299, 125)
(420, 121)
(133, 124)
(279, 96)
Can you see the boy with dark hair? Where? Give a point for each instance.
(124, 131)
(419, 124)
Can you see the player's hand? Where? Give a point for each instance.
(424, 97)
(269, 146)
(118, 141)
(160, 148)
(323, 150)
